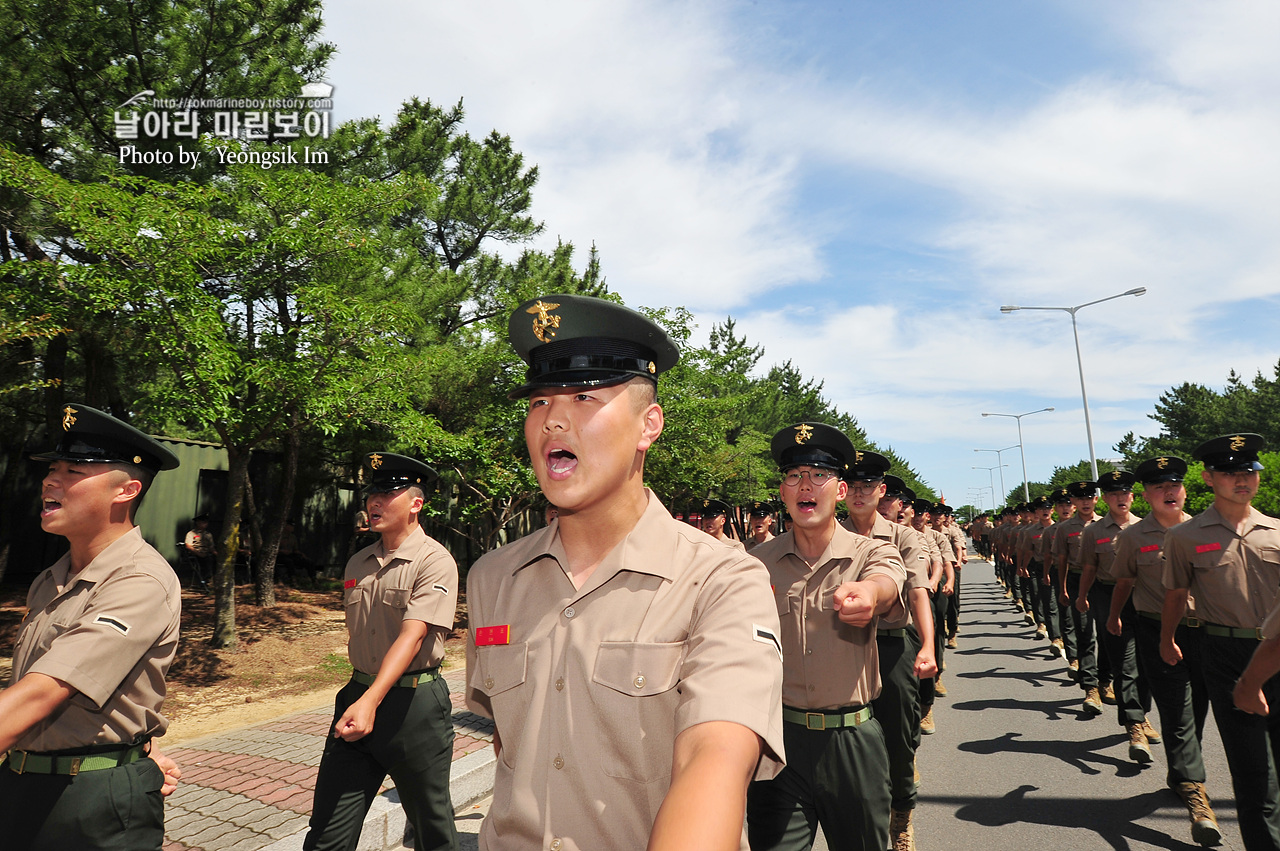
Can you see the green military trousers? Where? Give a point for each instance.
(412, 740)
(837, 778)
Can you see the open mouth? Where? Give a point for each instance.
(807, 505)
(561, 463)
(49, 506)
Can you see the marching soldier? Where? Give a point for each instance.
(1097, 552)
(905, 657)
(761, 515)
(715, 516)
(631, 664)
(1066, 550)
(394, 716)
(1228, 559)
(939, 547)
(1178, 690)
(830, 586)
(92, 653)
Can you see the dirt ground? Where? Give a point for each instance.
(291, 657)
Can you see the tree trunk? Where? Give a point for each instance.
(271, 544)
(224, 579)
(264, 566)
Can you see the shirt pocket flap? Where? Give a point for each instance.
(396, 598)
(636, 668)
(1148, 559)
(1270, 555)
(499, 668)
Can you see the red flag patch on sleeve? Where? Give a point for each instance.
(1209, 548)
(490, 635)
(350, 583)
(1103, 541)
(1073, 534)
(1149, 548)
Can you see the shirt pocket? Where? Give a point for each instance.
(636, 707)
(353, 595)
(396, 598)
(501, 670)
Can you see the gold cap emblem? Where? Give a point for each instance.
(68, 418)
(137, 459)
(857, 456)
(1161, 463)
(653, 367)
(804, 431)
(375, 460)
(543, 320)
(706, 503)
(1237, 443)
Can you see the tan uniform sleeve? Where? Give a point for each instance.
(732, 669)
(1088, 546)
(944, 547)
(118, 627)
(435, 590)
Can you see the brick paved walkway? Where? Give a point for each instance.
(247, 789)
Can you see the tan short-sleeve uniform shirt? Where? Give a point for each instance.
(1068, 540)
(1234, 578)
(931, 550)
(589, 687)
(1044, 546)
(914, 558)
(828, 664)
(943, 545)
(110, 632)
(1140, 556)
(956, 536)
(416, 581)
(1098, 543)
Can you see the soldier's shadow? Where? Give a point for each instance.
(1089, 756)
(1113, 820)
(1053, 710)
(1039, 679)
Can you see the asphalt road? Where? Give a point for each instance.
(1015, 765)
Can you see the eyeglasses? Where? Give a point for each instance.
(817, 478)
(864, 487)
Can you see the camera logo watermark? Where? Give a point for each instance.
(144, 116)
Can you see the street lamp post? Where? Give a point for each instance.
(1084, 396)
(1026, 491)
(993, 482)
(1000, 460)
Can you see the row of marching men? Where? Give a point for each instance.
(1166, 609)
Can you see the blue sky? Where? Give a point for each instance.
(862, 185)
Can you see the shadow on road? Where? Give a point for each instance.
(1112, 820)
(1085, 755)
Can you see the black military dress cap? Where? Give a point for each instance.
(1231, 453)
(922, 506)
(866, 466)
(712, 507)
(894, 486)
(1165, 468)
(1082, 490)
(908, 495)
(1040, 503)
(581, 341)
(1116, 480)
(1060, 496)
(389, 472)
(89, 436)
(940, 508)
(761, 508)
(811, 444)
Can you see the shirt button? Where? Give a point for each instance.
(569, 612)
(488, 682)
(808, 652)
(640, 681)
(812, 688)
(555, 845)
(560, 684)
(558, 763)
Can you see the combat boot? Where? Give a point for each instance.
(927, 727)
(1092, 702)
(1204, 826)
(1153, 735)
(1108, 693)
(902, 836)
(1139, 751)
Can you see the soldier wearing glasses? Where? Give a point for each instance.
(830, 586)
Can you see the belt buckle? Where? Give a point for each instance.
(75, 765)
(1257, 633)
(413, 683)
(1195, 622)
(808, 720)
(22, 766)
